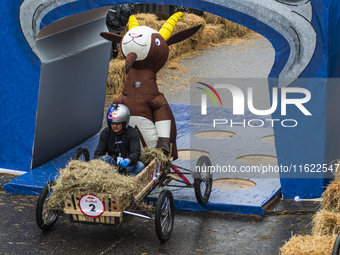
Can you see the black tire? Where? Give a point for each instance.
(164, 215)
(81, 154)
(203, 180)
(45, 219)
(336, 247)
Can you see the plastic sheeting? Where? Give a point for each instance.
(49, 107)
(72, 89)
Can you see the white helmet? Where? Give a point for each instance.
(118, 113)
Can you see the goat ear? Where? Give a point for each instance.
(111, 37)
(182, 35)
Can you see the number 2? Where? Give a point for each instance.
(93, 207)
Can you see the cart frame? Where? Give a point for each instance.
(123, 207)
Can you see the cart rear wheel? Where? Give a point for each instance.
(164, 216)
(203, 180)
(82, 154)
(45, 218)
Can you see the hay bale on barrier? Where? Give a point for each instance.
(213, 19)
(308, 245)
(331, 197)
(232, 29)
(326, 223)
(326, 226)
(95, 176)
(116, 77)
(236, 30)
(213, 34)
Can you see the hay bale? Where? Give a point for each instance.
(236, 30)
(308, 245)
(331, 197)
(95, 176)
(326, 226)
(326, 223)
(148, 19)
(213, 34)
(336, 169)
(117, 77)
(213, 19)
(232, 29)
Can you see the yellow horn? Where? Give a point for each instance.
(133, 22)
(169, 25)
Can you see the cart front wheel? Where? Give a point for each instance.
(164, 216)
(203, 180)
(336, 247)
(82, 154)
(45, 218)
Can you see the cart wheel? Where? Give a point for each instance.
(203, 180)
(164, 215)
(336, 247)
(82, 154)
(45, 218)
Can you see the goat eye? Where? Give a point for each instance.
(158, 42)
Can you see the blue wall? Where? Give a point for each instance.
(19, 76)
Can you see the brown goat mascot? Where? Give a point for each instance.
(146, 52)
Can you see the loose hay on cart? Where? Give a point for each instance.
(102, 179)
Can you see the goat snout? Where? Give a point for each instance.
(134, 35)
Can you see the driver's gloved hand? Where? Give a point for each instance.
(124, 162)
(165, 151)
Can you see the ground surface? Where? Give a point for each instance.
(193, 232)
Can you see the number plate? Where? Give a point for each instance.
(91, 205)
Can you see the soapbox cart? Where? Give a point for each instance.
(122, 208)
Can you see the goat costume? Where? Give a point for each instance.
(146, 52)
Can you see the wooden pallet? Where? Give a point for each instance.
(146, 179)
(115, 204)
(113, 213)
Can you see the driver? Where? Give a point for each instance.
(119, 143)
